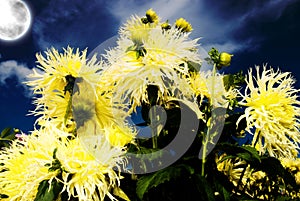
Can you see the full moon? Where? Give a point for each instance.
(15, 19)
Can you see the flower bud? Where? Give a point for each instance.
(144, 20)
(166, 26)
(151, 16)
(208, 123)
(224, 59)
(183, 25)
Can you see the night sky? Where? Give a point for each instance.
(257, 32)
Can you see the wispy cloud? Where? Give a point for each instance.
(220, 24)
(167, 9)
(227, 25)
(12, 69)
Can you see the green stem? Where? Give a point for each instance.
(153, 120)
(68, 110)
(204, 144)
(207, 136)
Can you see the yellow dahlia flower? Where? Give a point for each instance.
(234, 168)
(23, 165)
(293, 165)
(108, 111)
(272, 109)
(162, 62)
(88, 164)
(55, 83)
(98, 109)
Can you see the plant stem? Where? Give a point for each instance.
(206, 138)
(68, 110)
(153, 120)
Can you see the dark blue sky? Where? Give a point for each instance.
(255, 31)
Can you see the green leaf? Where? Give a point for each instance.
(225, 194)
(47, 192)
(153, 180)
(6, 132)
(233, 80)
(204, 187)
(284, 198)
(6, 136)
(277, 168)
(214, 55)
(120, 193)
(246, 153)
(252, 152)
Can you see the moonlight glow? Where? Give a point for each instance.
(15, 19)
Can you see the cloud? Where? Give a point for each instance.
(167, 9)
(220, 24)
(12, 69)
(230, 25)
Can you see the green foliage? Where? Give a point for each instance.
(234, 80)
(145, 183)
(3, 196)
(48, 191)
(247, 153)
(55, 165)
(214, 56)
(277, 180)
(6, 136)
(218, 59)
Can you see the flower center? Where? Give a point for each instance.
(275, 105)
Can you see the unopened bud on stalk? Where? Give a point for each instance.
(224, 59)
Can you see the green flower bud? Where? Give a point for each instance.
(224, 59)
(144, 20)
